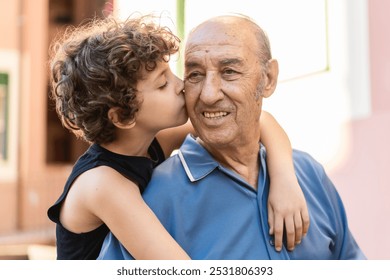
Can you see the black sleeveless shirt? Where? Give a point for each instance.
(74, 246)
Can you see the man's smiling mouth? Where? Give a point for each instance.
(215, 115)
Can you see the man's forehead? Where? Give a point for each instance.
(212, 47)
(219, 36)
(222, 54)
(214, 36)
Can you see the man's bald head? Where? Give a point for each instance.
(239, 27)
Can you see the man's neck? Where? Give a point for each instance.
(242, 159)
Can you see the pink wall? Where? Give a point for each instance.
(364, 178)
(8, 25)
(363, 182)
(379, 18)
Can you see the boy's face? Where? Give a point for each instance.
(162, 99)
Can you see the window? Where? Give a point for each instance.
(3, 115)
(62, 146)
(297, 29)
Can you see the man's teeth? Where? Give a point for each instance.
(214, 114)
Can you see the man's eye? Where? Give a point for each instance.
(230, 74)
(194, 77)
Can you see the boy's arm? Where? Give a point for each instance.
(130, 219)
(287, 207)
(171, 139)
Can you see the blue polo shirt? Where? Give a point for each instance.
(214, 214)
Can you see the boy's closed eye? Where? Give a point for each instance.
(163, 85)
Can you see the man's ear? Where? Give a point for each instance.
(114, 117)
(271, 76)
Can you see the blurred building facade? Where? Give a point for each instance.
(36, 151)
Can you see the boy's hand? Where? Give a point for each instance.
(287, 210)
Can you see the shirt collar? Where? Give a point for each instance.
(198, 163)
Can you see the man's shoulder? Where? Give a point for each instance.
(168, 168)
(305, 163)
(303, 157)
(167, 182)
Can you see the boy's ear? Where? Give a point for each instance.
(114, 117)
(271, 76)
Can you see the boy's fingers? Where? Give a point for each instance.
(278, 233)
(290, 232)
(271, 221)
(305, 222)
(298, 228)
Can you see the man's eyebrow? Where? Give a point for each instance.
(231, 61)
(223, 62)
(191, 64)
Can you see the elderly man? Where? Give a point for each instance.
(212, 195)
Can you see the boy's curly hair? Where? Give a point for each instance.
(96, 66)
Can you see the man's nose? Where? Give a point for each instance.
(211, 90)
